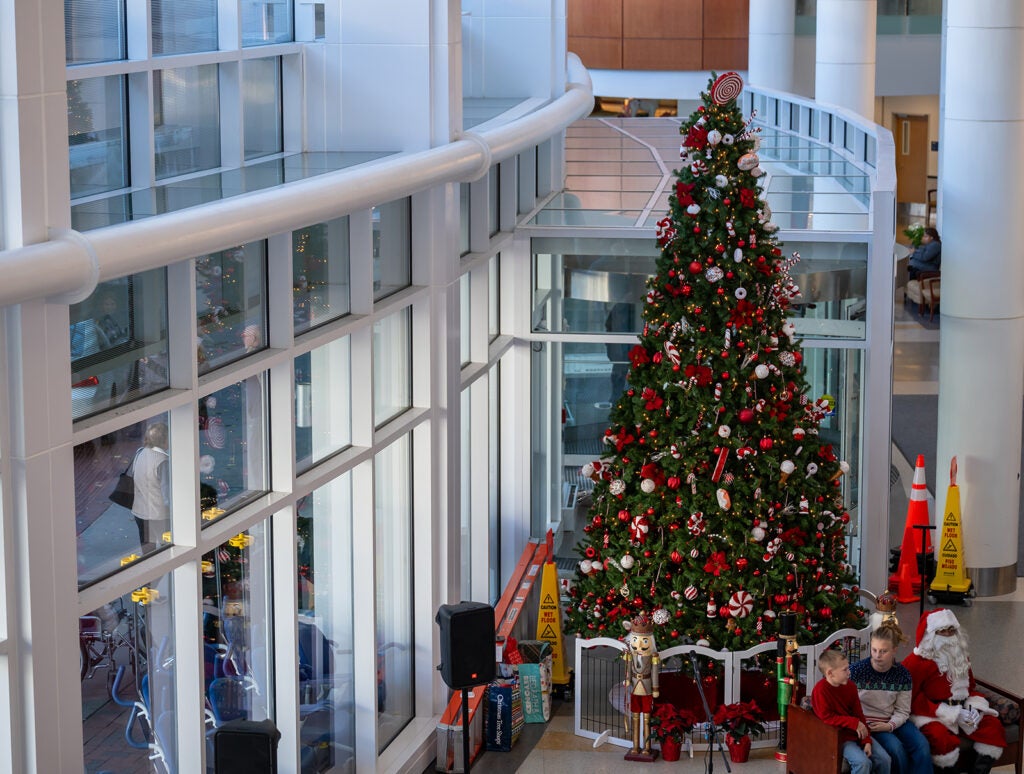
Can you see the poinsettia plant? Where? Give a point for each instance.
(668, 721)
(739, 719)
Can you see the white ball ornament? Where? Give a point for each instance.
(714, 137)
(647, 485)
(761, 371)
(703, 643)
(585, 566)
(737, 255)
(721, 181)
(617, 487)
(757, 533)
(661, 616)
(627, 561)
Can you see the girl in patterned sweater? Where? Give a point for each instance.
(884, 690)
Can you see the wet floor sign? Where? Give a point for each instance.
(549, 619)
(950, 573)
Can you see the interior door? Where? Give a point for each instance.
(911, 135)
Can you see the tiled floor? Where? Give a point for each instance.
(993, 624)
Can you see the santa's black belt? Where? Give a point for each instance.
(957, 702)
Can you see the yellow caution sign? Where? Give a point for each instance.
(950, 575)
(549, 619)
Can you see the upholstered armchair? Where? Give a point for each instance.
(925, 290)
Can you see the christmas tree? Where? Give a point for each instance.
(717, 505)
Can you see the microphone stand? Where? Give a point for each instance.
(712, 731)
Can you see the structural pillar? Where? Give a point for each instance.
(770, 44)
(844, 57)
(981, 360)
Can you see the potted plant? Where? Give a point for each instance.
(669, 726)
(914, 232)
(740, 720)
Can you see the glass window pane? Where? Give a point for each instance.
(494, 481)
(464, 218)
(118, 339)
(126, 655)
(392, 248)
(465, 497)
(464, 321)
(236, 631)
(266, 21)
(392, 366)
(186, 120)
(320, 264)
(326, 641)
(261, 106)
(97, 135)
(494, 303)
(393, 539)
(184, 26)
(493, 219)
(231, 319)
(323, 403)
(93, 31)
(232, 446)
(112, 534)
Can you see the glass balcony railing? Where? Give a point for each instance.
(895, 17)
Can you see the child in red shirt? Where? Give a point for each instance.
(836, 702)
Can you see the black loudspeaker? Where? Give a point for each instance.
(467, 644)
(246, 747)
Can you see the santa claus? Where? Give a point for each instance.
(945, 704)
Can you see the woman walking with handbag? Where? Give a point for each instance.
(152, 505)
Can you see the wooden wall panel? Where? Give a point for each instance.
(594, 19)
(724, 54)
(661, 19)
(598, 53)
(660, 34)
(726, 18)
(661, 54)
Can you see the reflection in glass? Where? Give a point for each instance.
(463, 218)
(230, 309)
(184, 27)
(112, 535)
(392, 475)
(266, 22)
(261, 106)
(127, 660)
(392, 366)
(494, 302)
(392, 248)
(320, 279)
(326, 693)
(464, 320)
(93, 31)
(493, 208)
(97, 135)
(232, 446)
(186, 120)
(323, 403)
(494, 481)
(236, 630)
(466, 496)
(118, 342)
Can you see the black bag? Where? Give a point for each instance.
(124, 489)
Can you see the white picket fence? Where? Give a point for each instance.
(600, 671)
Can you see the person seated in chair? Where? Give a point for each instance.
(884, 688)
(945, 704)
(928, 256)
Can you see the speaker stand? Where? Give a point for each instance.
(465, 730)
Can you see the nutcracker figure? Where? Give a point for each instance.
(642, 666)
(787, 670)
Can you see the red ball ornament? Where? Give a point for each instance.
(741, 243)
(656, 357)
(723, 611)
(676, 557)
(710, 260)
(741, 563)
(650, 511)
(746, 416)
(727, 201)
(623, 515)
(766, 443)
(647, 554)
(696, 229)
(695, 267)
(790, 577)
(729, 275)
(687, 290)
(725, 374)
(720, 291)
(671, 272)
(719, 248)
(675, 634)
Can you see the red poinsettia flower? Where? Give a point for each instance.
(701, 373)
(740, 718)
(654, 472)
(668, 721)
(716, 564)
(653, 399)
(639, 356)
(794, 536)
(623, 440)
(696, 138)
(683, 193)
(743, 313)
(748, 198)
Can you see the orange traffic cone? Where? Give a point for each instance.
(907, 580)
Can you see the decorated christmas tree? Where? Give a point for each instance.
(717, 505)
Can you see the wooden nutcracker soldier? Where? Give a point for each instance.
(642, 666)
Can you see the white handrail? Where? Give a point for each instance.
(64, 266)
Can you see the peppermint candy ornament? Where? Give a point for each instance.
(638, 529)
(726, 88)
(741, 604)
(690, 593)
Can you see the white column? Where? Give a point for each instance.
(981, 364)
(845, 54)
(770, 44)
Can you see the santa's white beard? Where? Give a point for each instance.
(950, 655)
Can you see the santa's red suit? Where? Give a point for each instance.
(944, 694)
